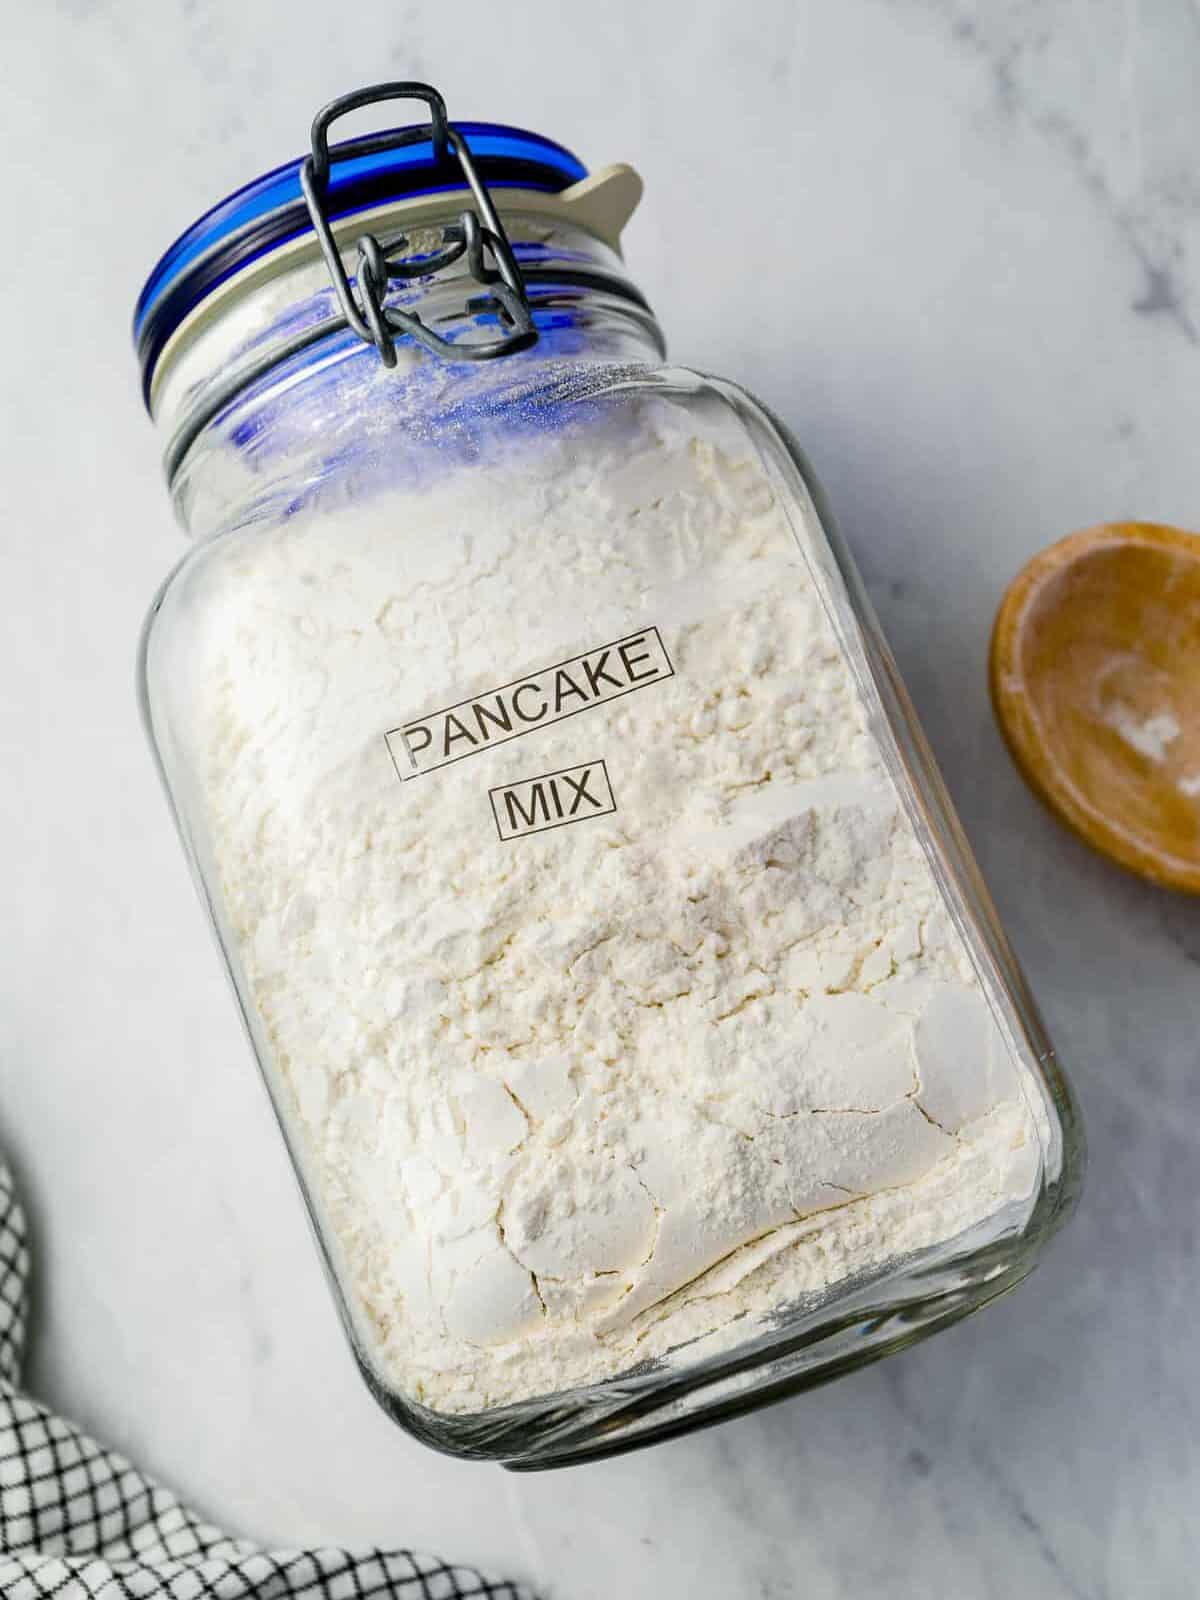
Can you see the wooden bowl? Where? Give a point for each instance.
(1095, 679)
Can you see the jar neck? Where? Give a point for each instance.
(266, 388)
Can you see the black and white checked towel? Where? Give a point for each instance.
(78, 1522)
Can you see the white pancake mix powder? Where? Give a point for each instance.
(581, 1072)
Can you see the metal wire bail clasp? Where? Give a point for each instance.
(478, 235)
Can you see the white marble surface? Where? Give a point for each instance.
(957, 246)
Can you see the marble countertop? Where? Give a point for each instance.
(957, 246)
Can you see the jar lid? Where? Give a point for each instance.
(271, 210)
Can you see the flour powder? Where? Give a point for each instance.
(573, 1087)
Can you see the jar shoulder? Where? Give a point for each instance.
(731, 406)
(695, 389)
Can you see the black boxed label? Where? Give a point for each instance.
(552, 800)
(535, 701)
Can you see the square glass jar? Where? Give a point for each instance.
(639, 1026)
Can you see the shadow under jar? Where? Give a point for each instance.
(639, 1027)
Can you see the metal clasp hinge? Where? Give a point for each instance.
(478, 235)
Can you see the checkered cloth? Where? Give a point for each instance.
(78, 1522)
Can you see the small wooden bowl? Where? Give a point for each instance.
(1095, 679)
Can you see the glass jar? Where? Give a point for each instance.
(640, 1029)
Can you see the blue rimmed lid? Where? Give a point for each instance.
(367, 172)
